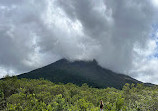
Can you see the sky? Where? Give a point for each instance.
(121, 35)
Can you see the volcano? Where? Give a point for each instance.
(79, 72)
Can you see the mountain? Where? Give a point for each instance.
(79, 72)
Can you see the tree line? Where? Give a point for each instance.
(43, 95)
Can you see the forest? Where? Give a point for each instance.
(43, 95)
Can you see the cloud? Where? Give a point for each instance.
(35, 33)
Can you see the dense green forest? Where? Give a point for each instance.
(43, 95)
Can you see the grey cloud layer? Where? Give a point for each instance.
(34, 33)
(116, 26)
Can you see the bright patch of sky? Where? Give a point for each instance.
(155, 3)
(154, 37)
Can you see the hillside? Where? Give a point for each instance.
(42, 95)
(79, 72)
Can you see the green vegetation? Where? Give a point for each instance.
(42, 95)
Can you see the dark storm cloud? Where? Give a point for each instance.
(115, 25)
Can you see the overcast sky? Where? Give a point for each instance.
(122, 35)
